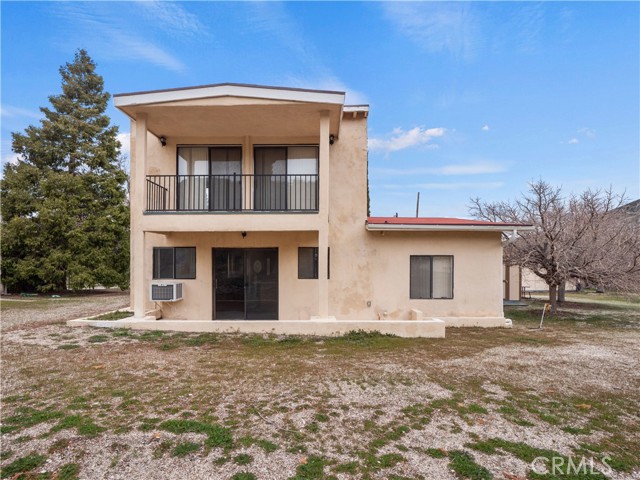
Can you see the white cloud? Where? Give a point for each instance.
(587, 132)
(274, 20)
(485, 128)
(401, 139)
(131, 47)
(125, 142)
(173, 18)
(446, 186)
(527, 24)
(478, 168)
(573, 141)
(10, 158)
(437, 27)
(353, 97)
(7, 111)
(104, 31)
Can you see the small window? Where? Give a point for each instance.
(431, 276)
(307, 262)
(174, 262)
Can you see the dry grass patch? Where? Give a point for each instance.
(361, 406)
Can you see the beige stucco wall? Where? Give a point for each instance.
(371, 266)
(534, 283)
(365, 266)
(297, 299)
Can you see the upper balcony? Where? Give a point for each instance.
(237, 150)
(235, 193)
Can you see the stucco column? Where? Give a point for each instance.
(137, 201)
(323, 229)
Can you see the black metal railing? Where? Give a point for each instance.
(235, 192)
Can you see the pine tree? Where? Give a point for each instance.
(65, 218)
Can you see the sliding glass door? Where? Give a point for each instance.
(245, 283)
(209, 178)
(193, 178)
(226, 178)
(286, 178)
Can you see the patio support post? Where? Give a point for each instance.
(323, 231)
(138, 186)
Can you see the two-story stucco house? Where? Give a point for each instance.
(249, 207)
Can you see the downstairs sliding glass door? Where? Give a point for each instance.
(245, 283)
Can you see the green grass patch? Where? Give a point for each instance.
(98, 338)
(202, 339)
(311, 470)
(161, 449)
(217, 436)
(267, 446)
(436, 452)
(35, 303)
(577, 431)
(364, 338)
(475, 408)
(321, 417)
(122, 332)
(243, 459)
(185, 448)
(244, 476)
(68, 471)
(118, 315)
(26, 417)
(68, 346)
(148, 424)
(22, 465)
(528, 454)
(151, 336)
(83, 425)
(5, 454)
(349, 467)
(419, 414)
(465, 466)
(388, 460)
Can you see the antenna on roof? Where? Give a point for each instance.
(418, 206)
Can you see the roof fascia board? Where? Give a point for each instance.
(444, 228)
(229, 91)
(356, 108)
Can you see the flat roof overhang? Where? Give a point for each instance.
(435, 224)
(227, 110)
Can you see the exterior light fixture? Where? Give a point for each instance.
(163, 141)
(332, 139)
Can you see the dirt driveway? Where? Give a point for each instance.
(480, 404)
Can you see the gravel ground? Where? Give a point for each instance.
(355, 404)
(44, 310)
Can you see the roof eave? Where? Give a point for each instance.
(225, 90)
(388, 227)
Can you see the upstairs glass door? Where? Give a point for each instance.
(209, 178)
(193, 178)
(226, 178)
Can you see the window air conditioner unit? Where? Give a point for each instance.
(166, 292)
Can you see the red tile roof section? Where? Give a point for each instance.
(437, 221)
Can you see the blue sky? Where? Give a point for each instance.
(466, 99)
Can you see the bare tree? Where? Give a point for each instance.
(585, 236)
